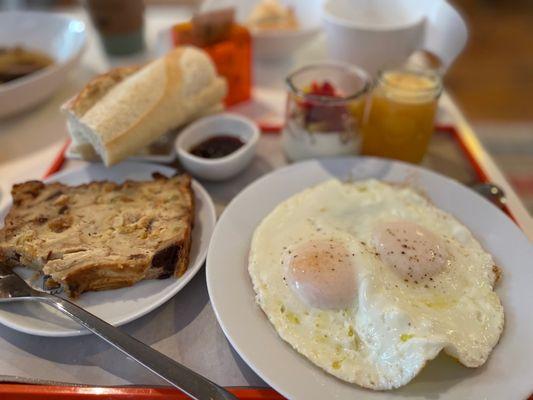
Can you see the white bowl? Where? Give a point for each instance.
(277, 44)
(382, 33)
(218, 169)
(60, 37)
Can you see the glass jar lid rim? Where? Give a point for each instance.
(359, 72)
(434, 76)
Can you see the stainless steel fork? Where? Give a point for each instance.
(14, 288)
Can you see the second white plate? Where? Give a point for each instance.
(507, 374)
(118, 306)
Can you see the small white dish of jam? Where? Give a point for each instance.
(217, 147)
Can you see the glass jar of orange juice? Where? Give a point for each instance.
(399, 118)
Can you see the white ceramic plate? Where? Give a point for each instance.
(61, 37)
(508, 372)
(121, 305)
(170, 156)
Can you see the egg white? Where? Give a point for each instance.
(394, 327)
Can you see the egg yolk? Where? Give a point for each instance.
(321, 273)
(414, 252)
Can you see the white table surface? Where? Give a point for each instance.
(184, 328)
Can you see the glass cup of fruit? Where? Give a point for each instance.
(325, 106)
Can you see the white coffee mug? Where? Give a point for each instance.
(376, 34)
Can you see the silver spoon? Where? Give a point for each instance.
(14, 288)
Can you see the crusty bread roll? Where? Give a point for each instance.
(122, 111)
(81, 103)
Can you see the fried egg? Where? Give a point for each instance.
(370, 281)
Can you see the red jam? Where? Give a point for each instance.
(217, 146)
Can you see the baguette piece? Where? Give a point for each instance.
(85, 150)
(100, 235)
(126, 109)
(78, 105)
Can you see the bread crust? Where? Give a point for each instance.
(120, 112)
(98, 88)
(100, 235)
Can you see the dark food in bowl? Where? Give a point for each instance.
(217, 146)
(17, 62)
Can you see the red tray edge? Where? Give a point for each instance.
(17, 391)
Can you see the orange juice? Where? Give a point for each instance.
(398, 121)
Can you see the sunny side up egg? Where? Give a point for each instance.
(369, 281)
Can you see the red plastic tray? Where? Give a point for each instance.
(17, 391)
(14, 391)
